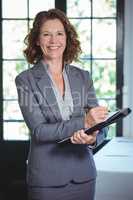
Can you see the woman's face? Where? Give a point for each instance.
(52, 39)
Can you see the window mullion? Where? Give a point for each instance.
(62, 5)
(1, 77)
(119, 60)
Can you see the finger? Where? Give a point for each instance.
(89, 139)
(75, 138)
(74, 141)
(78, 138)
(99, 111)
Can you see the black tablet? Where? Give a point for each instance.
(113, 118)
(110, 120)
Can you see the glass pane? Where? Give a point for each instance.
(14, 9)
(31, 23)
(39, 5)
(83, 29)
(13, 36)
(108, 102)
(104, 38)
(10, 70)
(12, 111)
(15, 131)
(83, 64)
(104, 76)
(78, 8)
(112, 131)
(111, 104)
(104, 8)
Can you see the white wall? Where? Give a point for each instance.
(128, 67)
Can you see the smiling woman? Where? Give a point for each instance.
(52, 96)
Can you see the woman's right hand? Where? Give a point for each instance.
(95, 115)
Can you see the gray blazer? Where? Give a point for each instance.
(50, 163)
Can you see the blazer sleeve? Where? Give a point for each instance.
(41, 130)
(92, 102)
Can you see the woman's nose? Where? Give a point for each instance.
(53, 38)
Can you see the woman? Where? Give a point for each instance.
(53, 96)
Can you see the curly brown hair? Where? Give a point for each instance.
(33, 52)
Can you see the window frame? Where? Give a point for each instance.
(119, 60)
(1, 77)
(119, 56)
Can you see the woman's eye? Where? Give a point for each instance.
(60, 33)
(45, 34)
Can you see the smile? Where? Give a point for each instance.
(53, 47)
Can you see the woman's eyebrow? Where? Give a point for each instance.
(46, 31)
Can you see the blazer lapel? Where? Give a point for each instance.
(44, 84)
(76, 89)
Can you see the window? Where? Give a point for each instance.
(97, 24)
(15, 25)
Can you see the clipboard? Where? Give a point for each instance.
(110, 120)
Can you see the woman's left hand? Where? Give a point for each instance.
(80, 137)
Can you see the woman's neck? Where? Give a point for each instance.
(55, 66)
